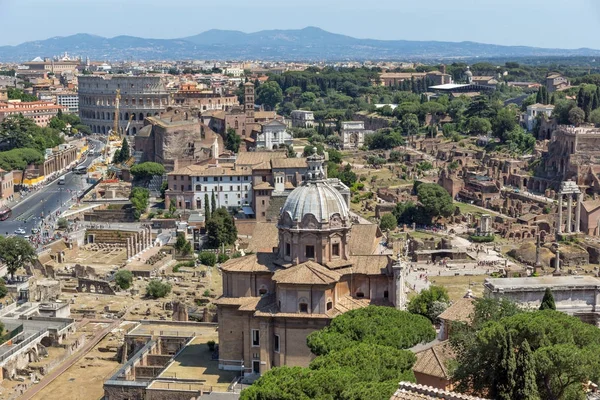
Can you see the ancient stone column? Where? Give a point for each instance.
(129, 249)
(559, 224)
(569, 212)
(578, 213)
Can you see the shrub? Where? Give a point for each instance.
(481, 239)
(206, 293)
(62, 223)
(208, 258)
(222, 258)
(124, 278)
(157, 289)
(211, 345)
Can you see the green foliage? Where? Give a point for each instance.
(232, 140)
(435, 200)
(16, 252)
(3, 293)
(221, 229)
(385, 326)
(388, 222)
(222, 258)
(269, 94)
(182, 245)
(125, 151)
(208, 258)
(335, 156)
(520, 141)
(124, 279)
(18, 94)
(430, 302)
(548, 301)
(576, 116)
(384, 139)
(481, 239)
(17, 132)
(211, 345)
(395, 156)
(563, 355)
(375, 161)
(139, 199)
(479, 126)
(345, 174)
(157, 289)
(147, 170)
(19, 159)
(62, 223)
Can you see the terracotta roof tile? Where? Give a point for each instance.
(461, 310)
(265, 236)
(434, 360)
(308, 273)
(260, 262)
(364, 239)
(413, 391)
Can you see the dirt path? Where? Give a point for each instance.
(69, 362)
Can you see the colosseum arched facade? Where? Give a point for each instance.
(141, 97)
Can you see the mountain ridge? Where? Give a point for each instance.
(306, 44)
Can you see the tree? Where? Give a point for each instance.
(147, 170)
(563, 355)
(385, 326)
(213, 203)
(269, 94)
(505, 121)
(182, 245)
(232, 141)
(125, 152)
(410, 124)
(157, 289)
(208, 258)
(206, 207)
(435, 200)
(525, 385)
(220, 229)
(548, 301)
(116, 156)
(430, 302)
(388, 222)
(576, 116)
(3, 293)
(124, 279)
(62, 223)
(595, 117)
(507, 368)
(16, 252)
(480, 126)
(139, 199)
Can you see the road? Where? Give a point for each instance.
(28, 213)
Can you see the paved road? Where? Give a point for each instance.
(28, 213)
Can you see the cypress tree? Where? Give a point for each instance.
(580, 97)
(538, 96)
(125, 153)
(206, 208)
(548, 301)
(595, 103)
(506, 373)
(526, 378)
(553, 99)
(213, 203)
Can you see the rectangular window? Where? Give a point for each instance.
(288, 249)
(310, 252)
(276, 344)
(255, 338)
(335, 249)
(303, 307)
(206, 179)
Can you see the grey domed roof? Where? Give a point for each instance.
(317, 198)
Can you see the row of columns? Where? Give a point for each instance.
(139, 242)
(569, 225)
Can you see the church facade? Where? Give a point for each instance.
(322, 267)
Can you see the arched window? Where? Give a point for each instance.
(236, 124)
(198, 188)
(329, 304)
(141, 116)
(303, 305)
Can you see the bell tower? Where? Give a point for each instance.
(249, 102)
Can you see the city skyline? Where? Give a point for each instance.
(493, 22)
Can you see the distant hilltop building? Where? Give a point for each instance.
(57, 66)
(141, 97)
(556, 82)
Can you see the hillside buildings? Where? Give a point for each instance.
(535, 110)
(41, 112)
(303, 119)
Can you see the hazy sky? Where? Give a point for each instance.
(543, 23)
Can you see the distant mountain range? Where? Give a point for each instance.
(308, 44)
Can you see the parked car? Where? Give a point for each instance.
(20, 231)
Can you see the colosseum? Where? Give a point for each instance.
(141, 96)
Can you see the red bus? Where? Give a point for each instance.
(5, 214)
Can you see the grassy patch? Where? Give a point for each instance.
(458, 286)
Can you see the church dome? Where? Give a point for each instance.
(314, 197)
